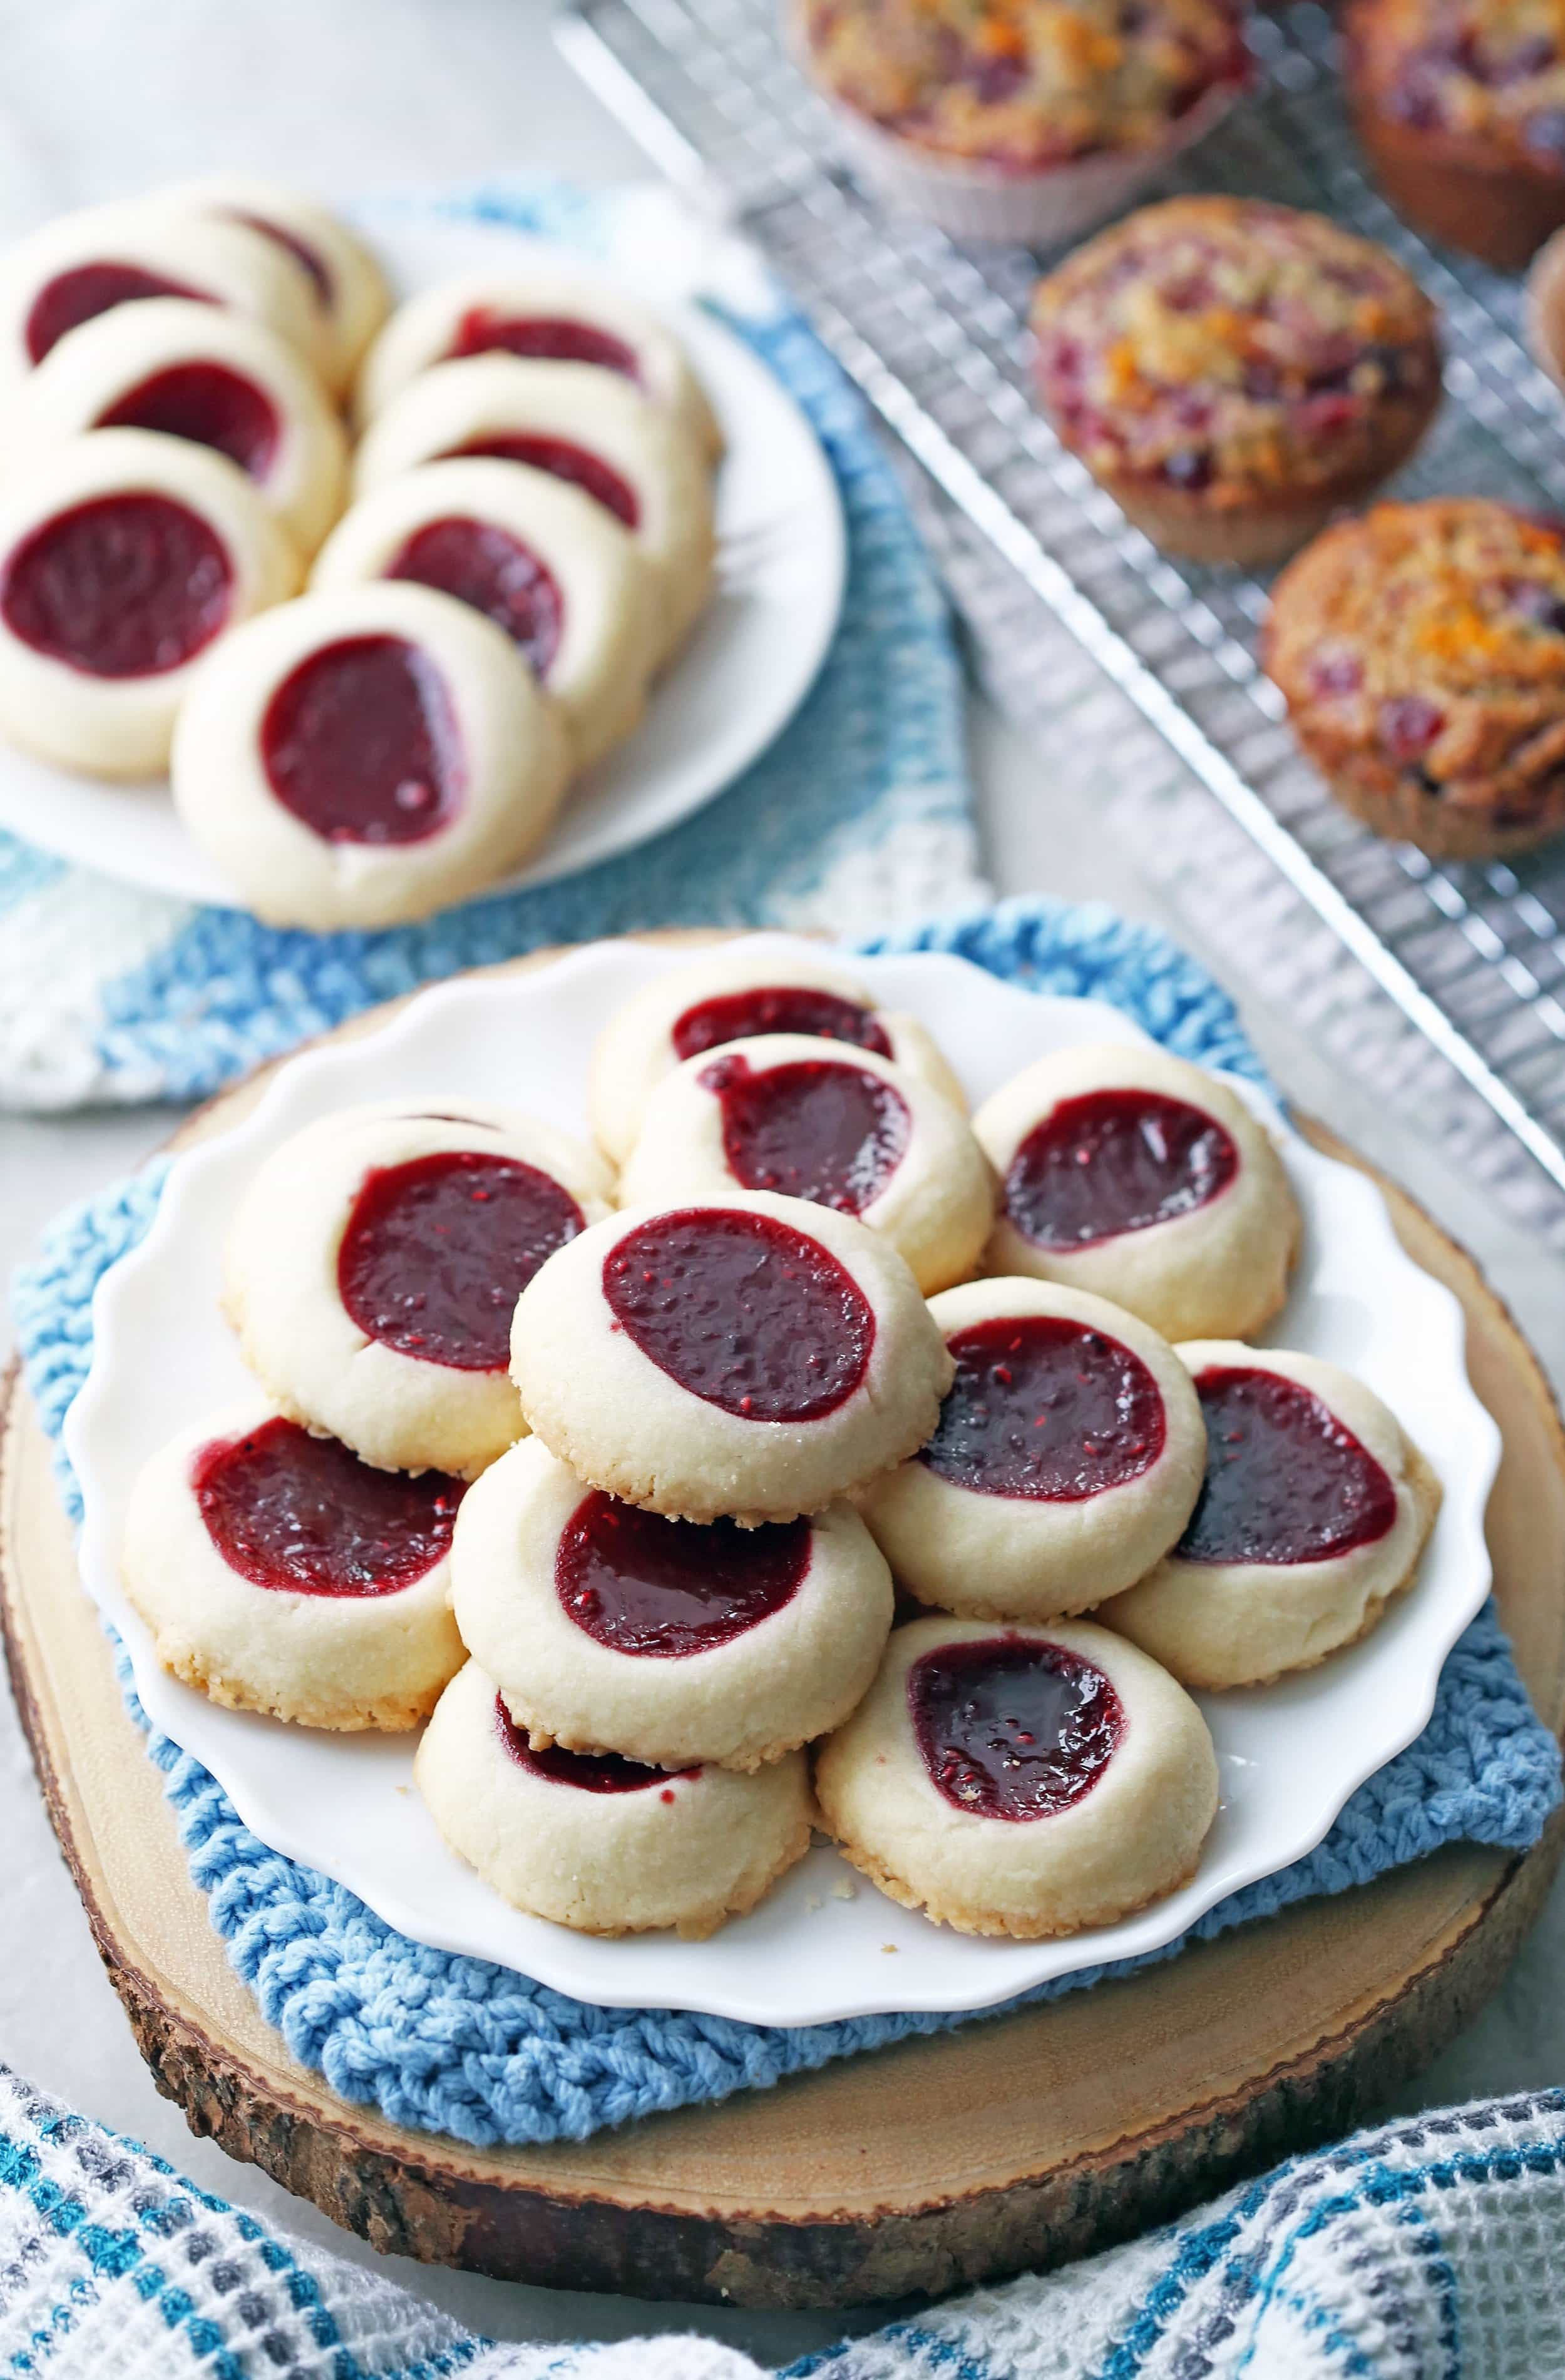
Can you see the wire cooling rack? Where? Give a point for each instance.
(935, 336)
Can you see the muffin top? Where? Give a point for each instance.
(1232, 346)
(1024, 84)
(1490, 70)
(1430, 639)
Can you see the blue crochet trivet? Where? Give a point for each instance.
(452, 2044)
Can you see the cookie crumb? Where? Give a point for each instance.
(844, 1889)
(889, 1949)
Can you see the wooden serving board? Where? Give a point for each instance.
(1011, 2143)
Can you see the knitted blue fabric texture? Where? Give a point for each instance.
(454, 2045)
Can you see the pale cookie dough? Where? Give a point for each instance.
(366, 757)
(1069, 1456)
(837, 1126)
(80, 265)
(1079, 1781)
(124, 557)
(606, 1846)
(279, 1573)
(1131, 1173)
(733, 995)
(347, 283)
(747, 1356)
(197, 372)
(640, 462)
(372, 1283)
(538, 312)
(1315, 1513)
(609, 1628)
(549, 566)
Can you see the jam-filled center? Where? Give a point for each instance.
(814, 1129)
(1113, 1161)
(88, 290)
(208, 405)
(562, 460)
(640, 1584)
(1009, 1728)
(1046, 1408)
(590, 1772)
(302, 253)
(1286, 1481)
(286, 1510)
(484, 566)
(743, 1311)
(122, 585)
(554, 337)
(775, 1008)
(438, 1251)
(361, 744)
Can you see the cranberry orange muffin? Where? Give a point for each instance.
(1460, 106)
(1231, 372)
(1421, 654)
(1021, 119)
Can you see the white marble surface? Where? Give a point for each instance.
(99, 97)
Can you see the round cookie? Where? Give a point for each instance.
(1131, 1173)
(82, 264)
(750, 1357)
(374, 1264)
(365, 757)
(347, 283)
(602, 1844)
(123, 557)
(1313, 1513)
(607, 1628)
(1068, 1458)
(1024, 1781)
(196, 372)
(638, 461)
(838, 1127)
(734, 996)
(554, 571)
(279, 1573)
(540, 313)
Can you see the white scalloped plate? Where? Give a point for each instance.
(1289, 1754)
(781, 566)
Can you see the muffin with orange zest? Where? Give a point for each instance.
(1233, 371)
(1021, 119)
(1422, 653)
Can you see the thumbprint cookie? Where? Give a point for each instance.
(605, 1626)
(345, 283)
(1312, 1516)
(601, 1843)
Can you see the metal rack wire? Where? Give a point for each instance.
(1474, 956)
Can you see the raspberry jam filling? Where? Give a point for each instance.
(361, 744)
(814, 1129)
(590, 1772)
(640, 1584)
(208, 405)
(1008, 1728)
(562, 461)
(487, 568)
(1113, 1161)
(438, 1251)
(743, 1311)
(1286, 1481)
(88, 290)
(1045, 1408)
(123, 586)
(484, 328)
(299, 249)
(775, 1008)
(286, 1510)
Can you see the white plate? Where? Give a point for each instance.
(782, 559)
(1289, 1754)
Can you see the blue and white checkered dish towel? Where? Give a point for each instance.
(1426, 2250)
(450, 2044)
(858, 816)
